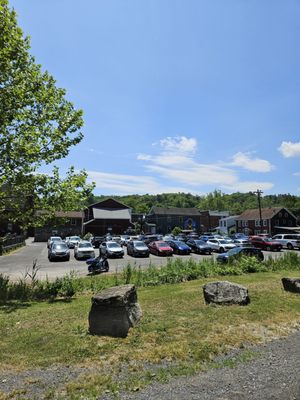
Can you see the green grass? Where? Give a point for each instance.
(178, 334)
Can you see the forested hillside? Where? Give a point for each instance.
(235, 203)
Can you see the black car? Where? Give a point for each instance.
(199, 246)
(137, 248)
(59, 251)
(97, 240)
(241, 251)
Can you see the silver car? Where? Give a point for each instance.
(111, 249)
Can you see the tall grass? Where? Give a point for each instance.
(174, 271)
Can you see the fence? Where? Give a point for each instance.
(10, 243)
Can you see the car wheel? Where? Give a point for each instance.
(268, 248)
(68, 258)
(290, 246)
(221, 250)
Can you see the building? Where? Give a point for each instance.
(64, 223)
(210, 219)
(272, 220)
(167, 218)
(227, 225)
(107, 216)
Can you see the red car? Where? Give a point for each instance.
(265, 243)
(160, 248)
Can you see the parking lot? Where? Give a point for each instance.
(17, 263)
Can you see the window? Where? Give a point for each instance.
(265, 222)
(73, 221)
(256, 233)
(257, 222)
(286, 215)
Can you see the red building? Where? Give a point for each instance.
(271, 220)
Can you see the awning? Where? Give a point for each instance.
(289, 228)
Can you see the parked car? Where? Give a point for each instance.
(111, 249)
(124, 240)
(205, 238)
(53, 239)
(84, 249)
(265, 243)
(179, 247)
(181, 237)
(199, 246)
(137, 248)
(241, 251)
(59, 251)
(152, 238)
(288, 240)
(97, 240)
(73, 241)
(160, 248)
(220, 245)
(242, 242)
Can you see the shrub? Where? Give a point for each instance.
(4, 286)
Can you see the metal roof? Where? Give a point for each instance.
(111, 214)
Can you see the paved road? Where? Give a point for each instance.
(15, 264)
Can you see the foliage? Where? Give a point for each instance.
(176, 231)
(38, 125)
(235, 203)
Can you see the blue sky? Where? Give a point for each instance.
(178, 95)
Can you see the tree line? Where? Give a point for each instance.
(235, 203)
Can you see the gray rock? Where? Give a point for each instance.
(114, 311)
(227, 293)
(291, 284)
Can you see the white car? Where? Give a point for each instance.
(220, 245)
(73, 241)
(84, 249)
(288, 240)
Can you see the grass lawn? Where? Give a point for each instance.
(177, 335)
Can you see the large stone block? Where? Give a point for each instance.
(227, 293)
(114, 311)
(291, 284)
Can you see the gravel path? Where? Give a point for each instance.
(273, 374)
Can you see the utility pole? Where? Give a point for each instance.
(258, 193)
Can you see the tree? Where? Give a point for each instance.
(38, 125)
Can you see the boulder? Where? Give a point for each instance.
(291, 284)
(114, 311)
(227, 293)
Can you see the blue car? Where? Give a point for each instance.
(179, 247)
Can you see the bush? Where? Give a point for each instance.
(4, 287)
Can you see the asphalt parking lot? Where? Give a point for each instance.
(21, 260)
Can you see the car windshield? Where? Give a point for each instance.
(59, 246)
(84, 245)
(234, 251)
(139, 244)
(200, 242)
(178, 242)
(74, 238)
(113, 245)
(222, 241)
(162, 244)
(56, 238)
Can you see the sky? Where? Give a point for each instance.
(178, 95)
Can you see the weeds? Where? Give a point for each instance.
(175, 271)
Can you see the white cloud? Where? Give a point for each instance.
(252, 164)
(249, 186)
(289, 149)
(296, 173)
(128, 184)
(177, 163)
(179, 144)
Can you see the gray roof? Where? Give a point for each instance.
(111, 214)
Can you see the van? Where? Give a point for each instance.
(288, 240)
